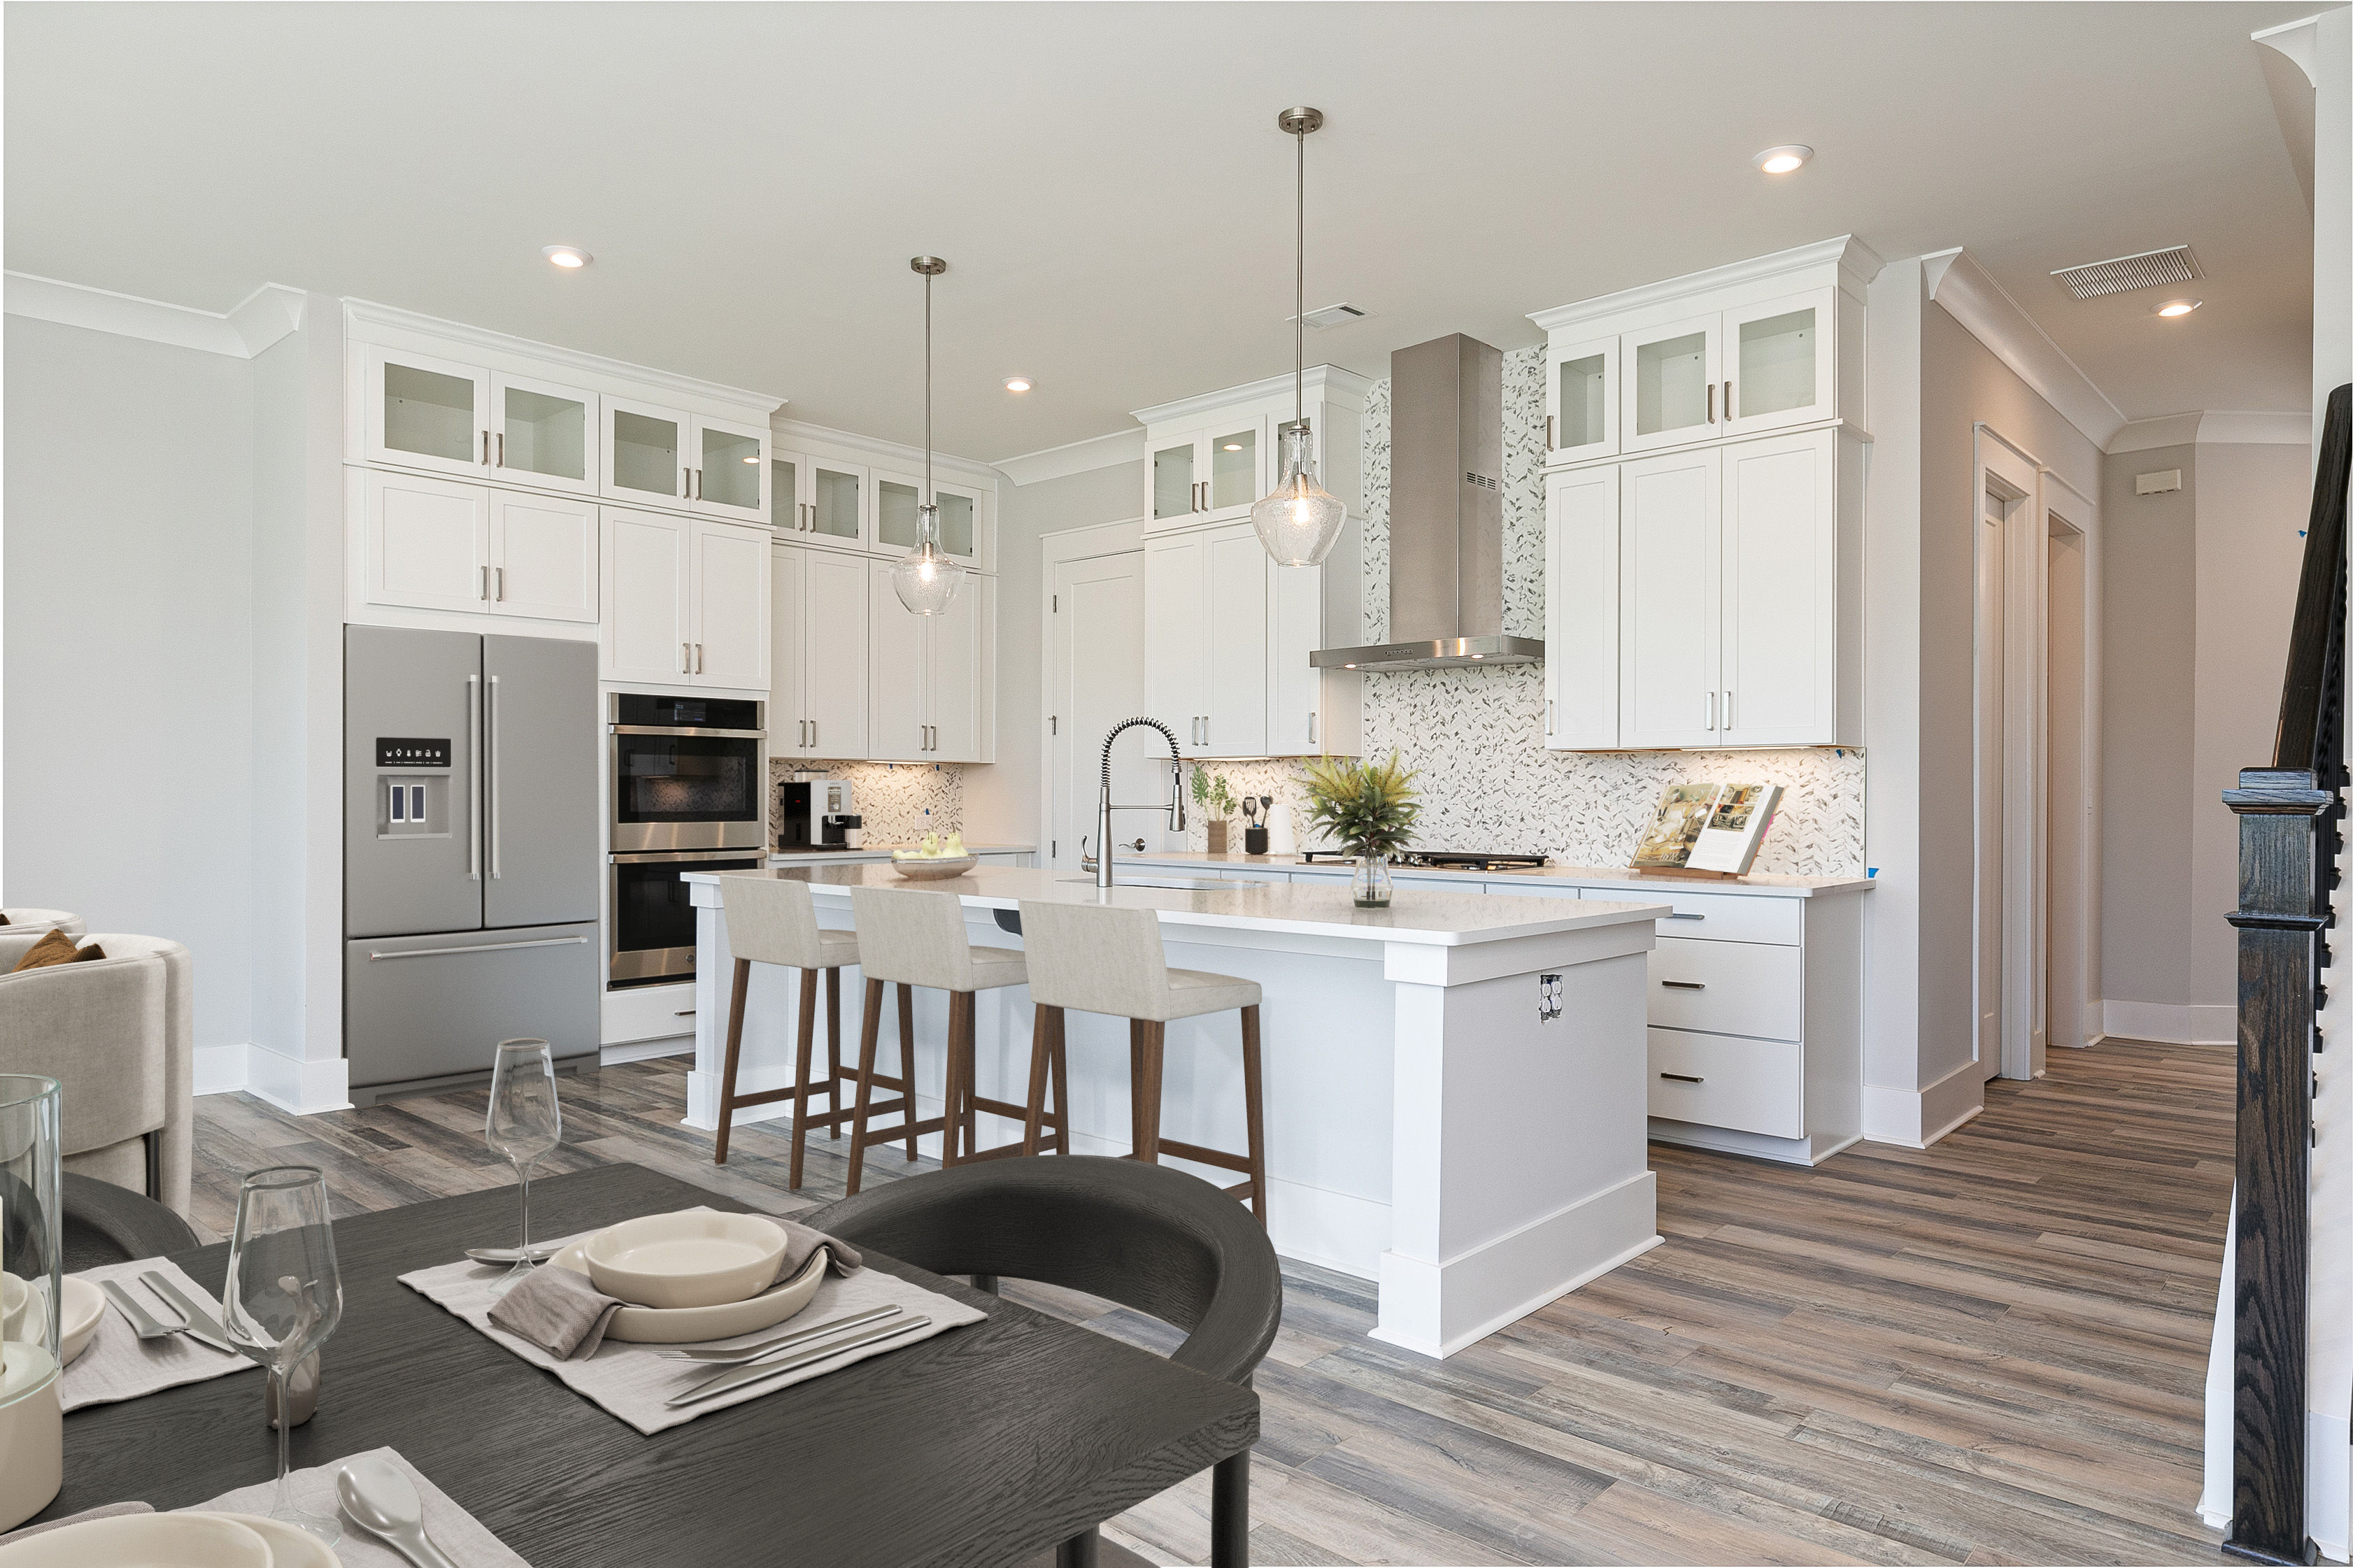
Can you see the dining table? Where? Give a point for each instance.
(986, 1444)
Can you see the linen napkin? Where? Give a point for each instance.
(118, 1364)
(464, 1539)
(109, 1512)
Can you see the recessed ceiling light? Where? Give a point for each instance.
(569, 256)
(2178, 307)
(1016, 383)
(1782, 160)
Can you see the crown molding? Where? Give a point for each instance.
(1317, 378)
(2213, 426)
(2298, 40)
(263, 317)
(1106, 451)
(1856, 262)
(801, 434)
(1985, 310)
(2148, 435)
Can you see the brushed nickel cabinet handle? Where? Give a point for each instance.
(1679, 915)
(1684, 984)
(812, 732)
(697, 659)
(1682, 1077)
(1552, 441)
(483, 591)
(1728, 402)
(1728, 709)
(501, 595)
(686, 658)
(1711, 403)
(502, 450)
(486, 449)
(1711, 709)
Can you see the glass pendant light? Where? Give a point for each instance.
(924, 579)
(1299, 521)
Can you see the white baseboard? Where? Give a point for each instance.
(304, 1088)
(1916, 1118)
(2169, 1023)
(639, 1050)
(220, 1069)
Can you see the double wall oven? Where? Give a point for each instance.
(690, 778)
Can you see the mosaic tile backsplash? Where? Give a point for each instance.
(900, 802)
(1476, 736)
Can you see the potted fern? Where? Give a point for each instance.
(1369, 809)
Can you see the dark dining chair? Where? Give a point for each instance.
(1151, 1238)
(107, 1224)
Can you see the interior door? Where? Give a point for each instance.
(428, 542)
(1669, 601)
(835, 653)
(543, 824)
(731, 470)
(1176, 637)
(788, 725)
(543, 435)
(895, 722)
(542, 556)
(1581, 585)
(644, 456)
(730, 607)
(952, 668)
(1780, 591)
(426, 413)
(1097, 653)
(646, 620)
(1668, 376)
(1236, 575)
(1779, 368)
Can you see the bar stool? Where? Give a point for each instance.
(1096, 959)
(912, 939)
(774, 920)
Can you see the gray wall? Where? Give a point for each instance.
(1003, 802)
(127, 784)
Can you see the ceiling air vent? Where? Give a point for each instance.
(1333, 316)
(2147, 270)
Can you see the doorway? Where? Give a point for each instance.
(1094, 677)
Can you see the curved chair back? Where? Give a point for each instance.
(107, 1224)
(1151, 1238)
(772, 921)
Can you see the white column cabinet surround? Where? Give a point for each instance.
(1704, 507)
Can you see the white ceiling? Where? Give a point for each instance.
(1109, 187)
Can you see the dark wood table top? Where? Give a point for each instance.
(981, 1445)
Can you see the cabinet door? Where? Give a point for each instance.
(838, 507)
(954, 669)
(1176, 637)
(1231, 459)
(1669, 637)
(426, 413)
(1581, 609)
(1172, 476)
(1294, 724)
(967, 524)
(788, 511)
(543, 435)
(1780, 591)
(835, 653)
(730, 607)
(647, 615)
(731, 471)
(789, 730)
(542, 556)
(896, 725)
(1580, 400)
(1779, 367)
(1236, 573)
(644, 456)
(1667, 377)
(428, 542)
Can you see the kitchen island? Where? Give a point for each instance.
(1454, 1086)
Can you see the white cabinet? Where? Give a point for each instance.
(1211, 474)
(966, 517)
(440, 544)
(1781, 563)
(1208, 460)
(1581, 608)
(1580, 400)
(1205, 639)
(932, 679)
(1668, 392)
(670, 457)
(818, 652)
(1669, 599)
(448, 416)
(543, 434)
(820, 500)
(686, 601)
(1309, 607)
(1175, 642)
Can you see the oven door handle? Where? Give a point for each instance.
(654, 856)
(676, 729)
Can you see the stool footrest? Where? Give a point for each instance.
(1051, 1141)
(771, 1096)
(898, 1133)
(1201, 1156)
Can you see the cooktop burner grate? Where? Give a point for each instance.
(1439, 860)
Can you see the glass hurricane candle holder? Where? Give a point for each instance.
(32, 1254)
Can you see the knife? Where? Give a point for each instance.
(202, 1326)
(766, 1369)
(743, 1354)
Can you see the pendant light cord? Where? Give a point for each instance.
(1299, 321)
(929, 490)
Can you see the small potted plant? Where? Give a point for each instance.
(1215, 803)
(1369, 809)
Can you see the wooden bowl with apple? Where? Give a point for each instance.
(934, 860)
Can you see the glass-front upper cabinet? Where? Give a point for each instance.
(1581, 401)
(1207, 475)
(1778, 364)
(1667, 379)
(1174, 481)
(645, 453)
(962, 530)
(788, 507)
(817, 499)
(730, 471)
(1235, 462)
(542, 435)
(426, 413)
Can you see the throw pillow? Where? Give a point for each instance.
(55, 948)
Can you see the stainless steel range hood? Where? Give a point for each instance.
(1446, 515)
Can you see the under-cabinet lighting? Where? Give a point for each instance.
(568, 256)
(1016, 383)
(2178, 307)
(1783, 159)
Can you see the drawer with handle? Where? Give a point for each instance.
(1719, 917)
(1718, 1080)
(1728, 987)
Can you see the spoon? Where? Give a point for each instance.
(383, 1501)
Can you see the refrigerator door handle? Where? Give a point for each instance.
(491, 735)
(485, 947)
(473, 781)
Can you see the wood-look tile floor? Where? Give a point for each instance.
(1990, 1351)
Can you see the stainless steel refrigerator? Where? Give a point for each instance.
(471, 852)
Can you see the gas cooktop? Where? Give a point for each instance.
(1439, 860)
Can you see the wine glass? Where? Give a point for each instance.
(284, 1296)
(523, 1124)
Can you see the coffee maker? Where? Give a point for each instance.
(813, 813)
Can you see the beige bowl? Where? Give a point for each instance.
(932, 868)
(142, 1540)
(697, 1257)
(85, 1306)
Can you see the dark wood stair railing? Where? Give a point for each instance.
(2288, 842)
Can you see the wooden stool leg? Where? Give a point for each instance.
(1255, 1110)
(801, 1075)
(956, 1145)
(869, 1028)
(1061, 1070)
(833, 1051)
(1148, 1043)
(1042, 1037)
(735, 1053)
(961, 1030)
(907, 1060)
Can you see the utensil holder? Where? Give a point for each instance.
(1253, 840)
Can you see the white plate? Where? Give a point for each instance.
(692, 1325)
(288, 1547)
(85, 1306)
(696, 1257)
(144, 1541)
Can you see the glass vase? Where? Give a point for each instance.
(32, 1253)
(1371, 882)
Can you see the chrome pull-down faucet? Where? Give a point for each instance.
(1104, 805)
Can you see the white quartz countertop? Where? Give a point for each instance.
(1764, 883)
(876, 851)
(1417, 915)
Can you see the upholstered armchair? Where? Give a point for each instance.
(118, 1032)
(26, 927)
